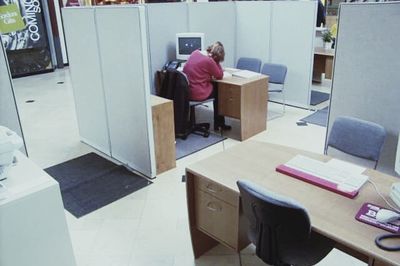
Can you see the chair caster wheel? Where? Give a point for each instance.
(206, 135)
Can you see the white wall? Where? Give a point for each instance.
(366, 70)
(8, 108)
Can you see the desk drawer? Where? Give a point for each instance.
(217, 190)
(229, 100)
(217, 218)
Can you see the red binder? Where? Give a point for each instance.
(322, 183)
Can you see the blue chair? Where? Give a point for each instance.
(251, 64)
(357, 137)
(277, 76)
(280, 228)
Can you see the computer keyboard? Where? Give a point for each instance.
(343, 179)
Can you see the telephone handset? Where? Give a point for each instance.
(172, 65)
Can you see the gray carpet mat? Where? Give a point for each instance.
(319, 118)
(195, 143)
(90, 182)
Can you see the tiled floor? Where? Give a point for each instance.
(148, 227)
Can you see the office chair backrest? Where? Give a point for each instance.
(276, 72)
(357, 137)
(176, 88)
(277, 223)
(251, 64)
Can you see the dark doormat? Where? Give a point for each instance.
(319, 118)
(318, 97)
(195, 143)
(90, 182)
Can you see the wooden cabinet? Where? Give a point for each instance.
(246, 100)
(164, 133)
(211, 214)
(211, 205)
(229, 95)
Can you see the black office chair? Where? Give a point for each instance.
(176, 87)
(280, 228)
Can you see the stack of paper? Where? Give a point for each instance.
(245, 74)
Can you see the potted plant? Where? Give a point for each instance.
(327, 38)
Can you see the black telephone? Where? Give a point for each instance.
(172, 65)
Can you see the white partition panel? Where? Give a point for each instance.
(84, 61)
(217, 20)
(366, 81)
(162, 29)
(8, 107)
(125, 66)
(292, 44)
(253, 29)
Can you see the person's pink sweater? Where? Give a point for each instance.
(201, 70)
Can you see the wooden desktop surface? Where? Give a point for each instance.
(331, 215)
(324, 51)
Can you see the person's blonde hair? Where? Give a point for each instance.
(217, 51)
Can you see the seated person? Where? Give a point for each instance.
(201, 69)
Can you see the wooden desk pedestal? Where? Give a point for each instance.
(214, 216)
(246, 100)
(164, 133)
(323, 63)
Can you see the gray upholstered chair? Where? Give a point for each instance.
(251, 64)
(277, 76)
(357, 137)
(280, 228)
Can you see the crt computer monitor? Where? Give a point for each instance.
(187, 42)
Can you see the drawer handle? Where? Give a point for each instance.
(209, 188)
(214, 206)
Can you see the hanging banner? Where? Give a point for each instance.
(27, 47)
(10, 19)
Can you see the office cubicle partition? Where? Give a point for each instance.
(292, 44)
(110, 74)
(218, 21)
(9, 116)
(164, 20)
(367, 62)
(263, 30)
(86, 72)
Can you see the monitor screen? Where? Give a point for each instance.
(188, 44)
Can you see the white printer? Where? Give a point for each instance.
(9, 143)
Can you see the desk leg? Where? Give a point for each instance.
(375, 262)
(318, 68)
(254, 104)
(328, 67)
(201, 242)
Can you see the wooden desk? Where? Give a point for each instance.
(246, 100)
(164, 133)
(215, 216)
(323, 63)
